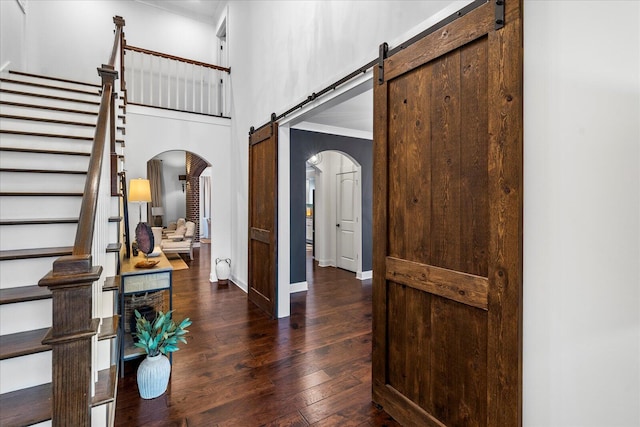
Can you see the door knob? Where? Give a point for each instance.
(337, 225)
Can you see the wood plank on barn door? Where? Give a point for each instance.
(263, 213)
(448, 225)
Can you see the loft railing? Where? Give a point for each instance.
(165, 81)
(71, 281)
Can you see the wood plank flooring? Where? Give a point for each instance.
(241, 368)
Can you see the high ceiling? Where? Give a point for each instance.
(355, 113)
(202, 10)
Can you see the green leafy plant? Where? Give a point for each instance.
(160, 336)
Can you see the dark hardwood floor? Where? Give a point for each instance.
(241, 368)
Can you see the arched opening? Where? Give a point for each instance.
(181, 183)
(334, 210)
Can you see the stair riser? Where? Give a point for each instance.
(36, 207)
(95, 97)
(44, 143)
(24, 272)
(46, 236)
(43, 161)
(41, 182)
(50, 82)
(48, 102)
(25, 316)
(25, 371)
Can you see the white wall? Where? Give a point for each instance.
(582, 184)
(582, 214)
(282, 51)
(151, 131)
(13, 23)
(63, 32)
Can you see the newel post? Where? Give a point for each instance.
(70, 335)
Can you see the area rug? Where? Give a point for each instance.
(177, 262)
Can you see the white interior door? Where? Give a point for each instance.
(346, 221)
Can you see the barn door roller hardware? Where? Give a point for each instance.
(384, 50)
(499, 14)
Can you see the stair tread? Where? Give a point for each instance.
(38, 221)
(109, 327)
(27, 406)
(112, 283)
(23, 343)
(114, 247)
(40, 151)
(46, 135)
(45, 120)
(26, 193)
(21, 170)
(47, 107)
(52, 87)
(34, 404)
(106, 386)
(57, 79)
(24, 294)
(35, 253)
(56, 98)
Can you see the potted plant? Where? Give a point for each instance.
(157, 338)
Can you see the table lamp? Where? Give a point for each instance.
(158, 213)
(139, 191)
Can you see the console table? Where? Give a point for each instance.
(139, 281)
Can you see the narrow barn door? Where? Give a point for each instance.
(447, 346)
(263, 213)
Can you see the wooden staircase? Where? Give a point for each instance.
(47, 126)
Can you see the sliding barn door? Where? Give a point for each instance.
(448, 225)
(263, 213)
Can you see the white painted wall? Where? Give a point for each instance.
(582, 183)
(63, 32)
(151, 131)
(282, 51)
(582, 213)
(13, 22)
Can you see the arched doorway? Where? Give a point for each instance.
(177, 173)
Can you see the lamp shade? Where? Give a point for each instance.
(157, 211)
(139, 190)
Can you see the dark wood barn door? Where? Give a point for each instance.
(448, 225)
(263, 214)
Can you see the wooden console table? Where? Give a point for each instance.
(138, 281)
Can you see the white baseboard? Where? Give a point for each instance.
(239, 283)
(326, 263)
(365, 275)
(299, 287)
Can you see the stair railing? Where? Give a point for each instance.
(72, 278)
(157, 79)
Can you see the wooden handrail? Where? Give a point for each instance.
(84, 233)
(176, 58)
(73, 277)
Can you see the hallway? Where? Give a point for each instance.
(241, 369)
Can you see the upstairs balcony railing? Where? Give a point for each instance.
(160, 80)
